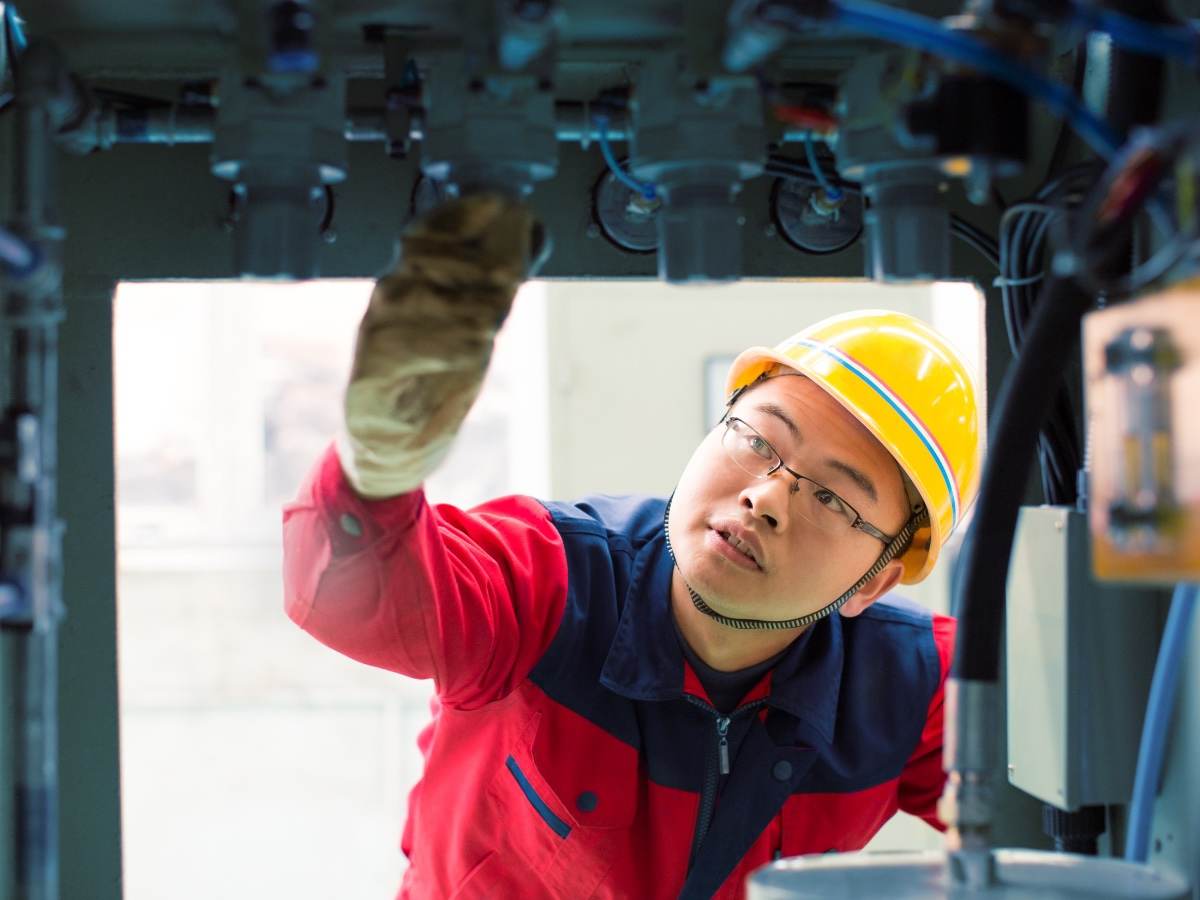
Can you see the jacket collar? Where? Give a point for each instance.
(645, 662)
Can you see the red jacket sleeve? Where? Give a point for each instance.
(922, 780)
(470, 599)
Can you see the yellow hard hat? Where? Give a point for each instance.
(912, 391)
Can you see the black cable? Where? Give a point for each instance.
(976, 238)
(1025, 244)
(1025, 399)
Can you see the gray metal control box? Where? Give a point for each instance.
(1080, 655)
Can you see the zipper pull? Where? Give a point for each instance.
(723, 743)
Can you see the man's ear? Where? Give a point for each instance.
(883, 582)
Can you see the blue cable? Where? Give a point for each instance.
(1153, 745)
(15, 31)
(1129, 33)
(831, 191)
(646, 190)
(921, 33)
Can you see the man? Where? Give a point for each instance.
(642, 697)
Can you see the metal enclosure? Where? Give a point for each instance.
(1080, 657)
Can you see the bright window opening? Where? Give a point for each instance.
(256, 762)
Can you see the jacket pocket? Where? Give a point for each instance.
(564, 806)
(557, 825)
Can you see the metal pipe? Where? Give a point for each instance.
(31, 557)
(196, 125)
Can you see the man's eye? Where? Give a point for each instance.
(829, 499)
(759, 446)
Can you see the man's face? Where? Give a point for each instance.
(800, 564)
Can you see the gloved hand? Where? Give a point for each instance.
(425, 341)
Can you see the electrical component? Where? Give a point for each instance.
(488, 130)
(908, 225)
(695, 140)
(1144, 513)
(526, 30)
(752, 37)
(1142, 362)
(627, 217)
(279, 139)
(811, 220)
(291, 25)
(280, 146)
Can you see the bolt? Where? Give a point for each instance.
(329, 236)
(769, 231)
(593, 230)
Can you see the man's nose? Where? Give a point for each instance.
(768, 499)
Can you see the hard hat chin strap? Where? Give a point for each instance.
(895, 547)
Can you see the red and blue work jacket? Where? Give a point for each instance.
(573, 752)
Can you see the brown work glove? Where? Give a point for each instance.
(425, 341)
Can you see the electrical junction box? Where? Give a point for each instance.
(1080, 656)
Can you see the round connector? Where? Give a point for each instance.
(626, 218)
(810, 221)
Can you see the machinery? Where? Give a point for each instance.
(1045, 150)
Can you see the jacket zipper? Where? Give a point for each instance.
(712, 775)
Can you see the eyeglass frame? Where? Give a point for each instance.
(859, 523)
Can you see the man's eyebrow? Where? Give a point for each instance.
(856, 476)
(860, 479)
(775, 410)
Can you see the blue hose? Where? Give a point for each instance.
(1139, 36)
(646, 190)
(15, 32)
(921, 33)
(1163, 689)
(831, 191)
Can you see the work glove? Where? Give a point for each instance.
(425, 341)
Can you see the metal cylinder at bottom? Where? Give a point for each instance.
(1020, 875)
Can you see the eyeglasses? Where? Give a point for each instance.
(755, 456)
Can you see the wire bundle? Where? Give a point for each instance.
(1024, 235)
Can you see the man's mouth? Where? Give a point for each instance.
(739, 545)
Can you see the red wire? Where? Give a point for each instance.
(1131, 186)
(805, 117)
